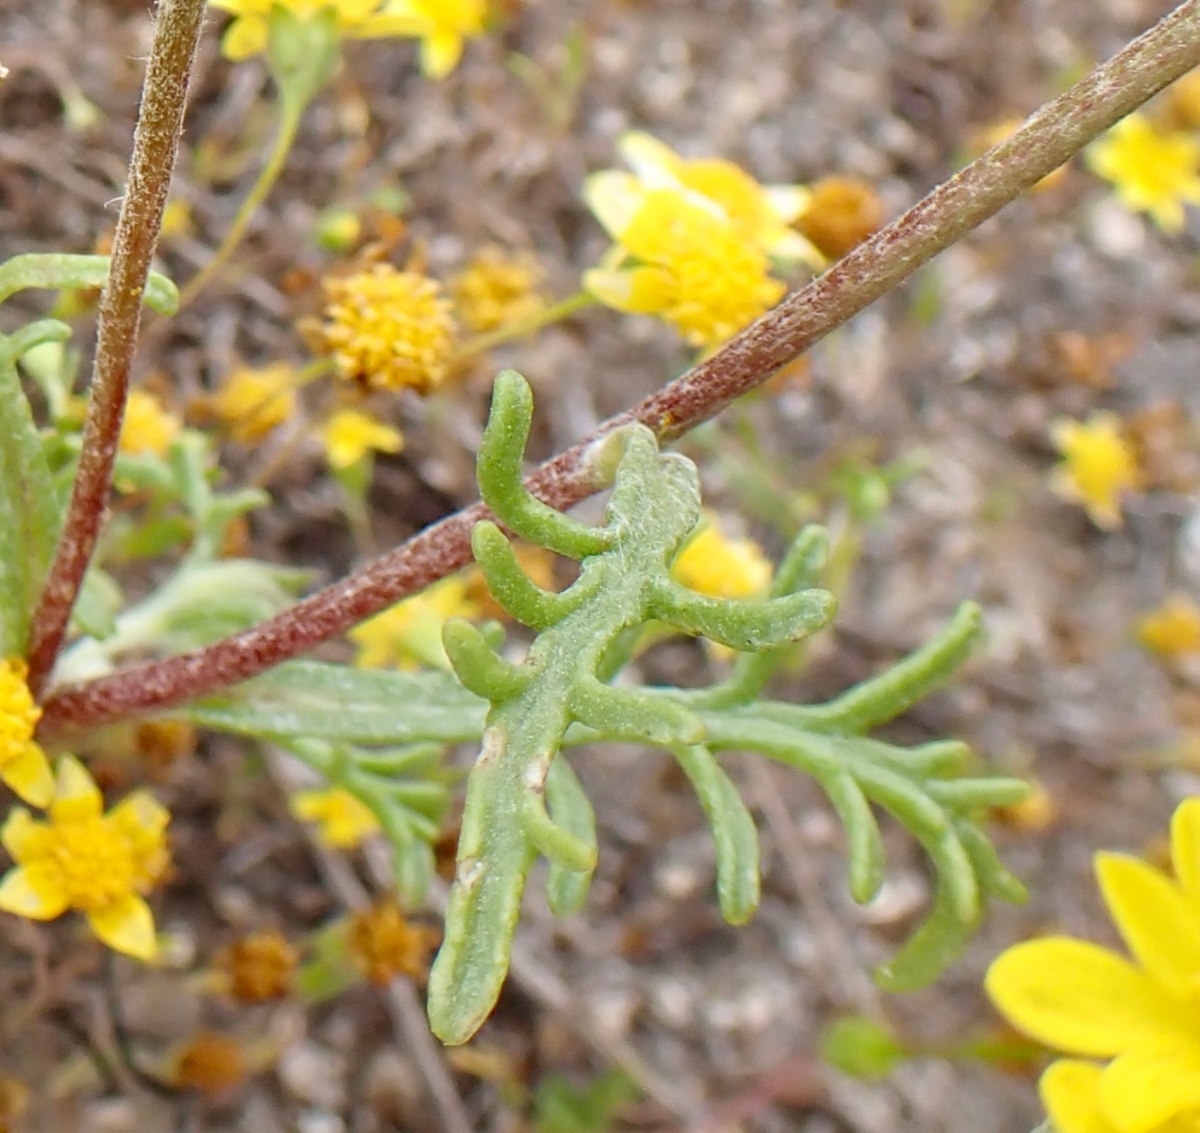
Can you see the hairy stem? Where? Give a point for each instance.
(155, 143)
(1049, 138)
(291, 116)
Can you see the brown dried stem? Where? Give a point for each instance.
(155, 142)
(1048, 139)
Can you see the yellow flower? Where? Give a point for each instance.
(85, 859)
(495, 289)
(841, 213)
(720, 567)
(389, 329)
(1099, 466)
(349, 435)
(343, 821)
(761, 214)
(1152, 172)
(1172, 629)
(1086, 1000)
(692, 267)
(23, 764)
(247, 34)
(441, 25)
(148, 427)
(386, 945)
(409, 633)
(253, 402)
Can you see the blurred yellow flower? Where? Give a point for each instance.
(761, 214)
(23, 765)
(342, 820)
(497, 288)
(1099, 466)
(409, 633)
(253, 402)
(441, 25)
(1172, 629)
(349, 435)
(389, 329)
(691, 267)
(247, 34)
(387, 945)
(841, 213)
(148, 427)
(85, 859)
(1086, 1000)
(720, 567)
(1151, 172)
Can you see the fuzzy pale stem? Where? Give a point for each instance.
(1050, 137)
(155, 143)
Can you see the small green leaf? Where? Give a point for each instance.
(96, 608)
(861, 1047)
(567, 889)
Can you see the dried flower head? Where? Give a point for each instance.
(1173, 629)
(1151, 171)
(1132, 1022)
(389, 329)
(210, 1064)
(441, 25)
(386, 945)
(679, 258)
(1098, 467)
(409, 633)
(23, 765)
(496, 289)
(148, 427)
(85, 859)
(343, 821)
(841, 213)
(349, 435)
(248, 33)
(260, 967)
(251, 403)
(720, 567)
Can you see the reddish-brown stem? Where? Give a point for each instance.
(1049, 138)
(155, 142)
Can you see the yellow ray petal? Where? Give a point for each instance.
(1185, 846)
(640, 291)
(30, 891)
(23, 837)
(29, 775)
(440, 53)
(787, 201)
(76, 796)
(1154, 919)
(1082, 998)
(1145, 1088)
(246, 36)
(1071, 1094)
(126, 926)
(615, 198)
(655, 163)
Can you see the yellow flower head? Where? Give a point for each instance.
(247, 34)
(720, 567)
(84, 859)
(495, 289)
(761, 214)
(23, 764)
(1173, 629)
(342, 820)
(1098, 467)
(389, 329)
(253, 402)
(409, 633)
(349, 435)
(692, 267)
(148, 427)
(441, 25)
(386, 945)
(1152, 172)
(260, 967)
(1140, 1015)
(841, 213)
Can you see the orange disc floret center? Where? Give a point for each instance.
(94, 863)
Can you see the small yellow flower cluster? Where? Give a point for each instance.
(1173, 629)
(720, 567)
(497, 288)
(349, 435)
(1136, 1017)
(1099, 466)
(441, 25)
(389, 329)
(148, 427)
(100, 864)
(409, 633)
(342, 820)
(386, 945)
(1151, 171)
(250, 403)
